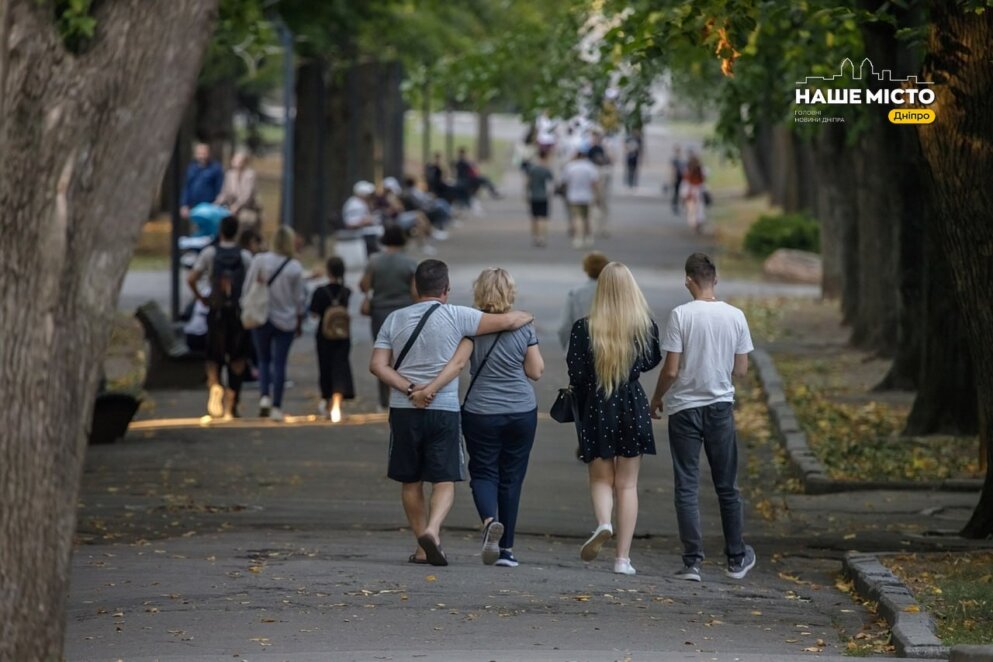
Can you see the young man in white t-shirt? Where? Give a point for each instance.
(707, 344)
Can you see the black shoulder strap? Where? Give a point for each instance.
(479, 370)
(278, 271)
(413, 336)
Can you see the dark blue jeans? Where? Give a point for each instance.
(712, 427)
(499, 447)
(272, 348)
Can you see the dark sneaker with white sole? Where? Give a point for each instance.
(738, 569)
(507, 559)
(492, 533)
(690, 573)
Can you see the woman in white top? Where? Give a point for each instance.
(284, 274)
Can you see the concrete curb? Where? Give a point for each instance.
(912, 627)
(805, 464)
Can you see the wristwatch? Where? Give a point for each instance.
(410, 390)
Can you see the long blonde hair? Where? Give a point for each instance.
(620, 323)
(494, 291)
(284, 241)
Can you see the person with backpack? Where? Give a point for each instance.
(275, 278)
(225, 264)
(334, 344)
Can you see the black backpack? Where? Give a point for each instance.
(227, 276)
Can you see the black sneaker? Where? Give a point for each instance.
(689, 573)
(738, 569)
(507, 559)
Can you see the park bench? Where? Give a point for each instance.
(171, 363)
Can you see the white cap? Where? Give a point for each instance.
(391, 184)
(363, 188)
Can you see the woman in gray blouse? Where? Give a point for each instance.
(387, 284)
(499, 414)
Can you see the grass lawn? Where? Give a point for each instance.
(855, 431)
(955, 588)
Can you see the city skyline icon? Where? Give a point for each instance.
(866, 71)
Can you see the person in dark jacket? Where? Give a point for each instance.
(204, 180)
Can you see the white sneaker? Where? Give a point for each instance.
(439, 235)
(322, 409)
(215, 401)
(624, 567)
(577, 243)
(276, 414)
(591, 548)
(265, 404)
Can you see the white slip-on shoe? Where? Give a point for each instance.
(276, 414)
(624, 567)
(591, 548)
(265, 405)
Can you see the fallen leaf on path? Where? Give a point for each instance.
(912, 609)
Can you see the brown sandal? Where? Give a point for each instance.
(413, 559)
(432, 550)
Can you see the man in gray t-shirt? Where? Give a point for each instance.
(425, 444)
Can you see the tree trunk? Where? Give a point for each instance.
(484, 144)
(72, 201)
(426, 125)
(946, 397)
(216, 103)
(958, 149)
(875, 324)
(306, 149)
(755, 176)
(835, 207)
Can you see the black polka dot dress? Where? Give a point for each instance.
(620, 425)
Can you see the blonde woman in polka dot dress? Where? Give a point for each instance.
(608, 351)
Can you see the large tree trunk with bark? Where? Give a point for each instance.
(84, 139)
(835, 208)
(958, 148)
(946, 394)
(307, 183)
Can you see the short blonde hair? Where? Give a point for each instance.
(284, 241)
(494, 291)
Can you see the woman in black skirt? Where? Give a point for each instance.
(332, 355)
(608, 351)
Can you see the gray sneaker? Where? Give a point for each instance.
(689, 573)
(738, 569)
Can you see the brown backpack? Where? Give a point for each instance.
(336, 323)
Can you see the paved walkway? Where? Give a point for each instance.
(259, 541)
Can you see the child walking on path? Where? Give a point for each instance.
(331, 301)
